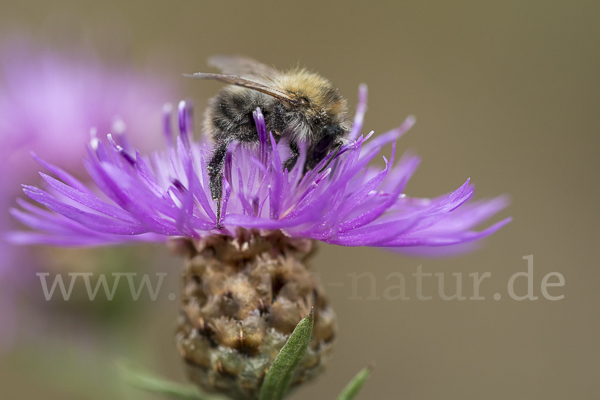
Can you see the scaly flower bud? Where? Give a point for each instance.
(242, 298)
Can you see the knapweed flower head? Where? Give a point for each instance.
(247, 283)
(341, 201)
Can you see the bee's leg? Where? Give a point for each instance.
(337, 150)
(290, 162)
(215, 173)
(219, 214)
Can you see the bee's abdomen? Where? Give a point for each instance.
(230, 117)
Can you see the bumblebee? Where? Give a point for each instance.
(298, 105)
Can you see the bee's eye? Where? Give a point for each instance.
(332, 130)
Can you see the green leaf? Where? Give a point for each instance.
(352, 389)
(280, 373)
(145, 381)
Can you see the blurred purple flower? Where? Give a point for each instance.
(150, 198)
(49, 101)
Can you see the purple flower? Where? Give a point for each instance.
(166, 194)
(49, 101)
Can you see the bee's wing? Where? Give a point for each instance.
(243, 66)
(248, 84)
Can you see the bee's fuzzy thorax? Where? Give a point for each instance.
(319, 91)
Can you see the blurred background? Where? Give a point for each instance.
(505, 93)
